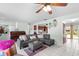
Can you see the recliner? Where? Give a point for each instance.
(24, 40)
(34, 43)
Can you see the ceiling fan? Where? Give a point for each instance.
(47, 6)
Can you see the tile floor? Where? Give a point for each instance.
(71, 48)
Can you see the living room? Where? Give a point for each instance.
(34, 34)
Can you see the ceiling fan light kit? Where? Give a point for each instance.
(45, 9)
(50, 12)
(48, 9)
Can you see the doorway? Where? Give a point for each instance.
(70, 32)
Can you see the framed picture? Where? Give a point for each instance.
(6, 29)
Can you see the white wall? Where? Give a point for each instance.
(57, 32)
(12, 26)
(23, 27)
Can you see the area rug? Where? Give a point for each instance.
(18, 55)
(31, 53)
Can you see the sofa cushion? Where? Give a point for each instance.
(40, 36)
(46, 36)
(32, 37)
(23, 37)
(35, 42)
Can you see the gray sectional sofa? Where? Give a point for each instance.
(34, 42)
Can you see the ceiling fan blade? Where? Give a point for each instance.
(58, 4)
(40, 9)
(42, 6)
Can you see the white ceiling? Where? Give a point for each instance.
(26, 12)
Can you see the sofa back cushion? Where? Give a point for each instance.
(23, 37)
(46, 36)
(40, 36)
(32, 37)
